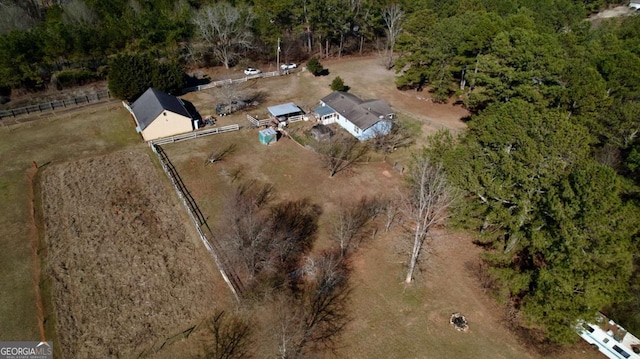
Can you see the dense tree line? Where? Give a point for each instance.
(550, 162)
(40, 38)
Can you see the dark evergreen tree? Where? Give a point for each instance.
(338, 84)
(315, 67)
(129, 76)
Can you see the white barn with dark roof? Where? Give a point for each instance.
(364, 119)
(159, 115)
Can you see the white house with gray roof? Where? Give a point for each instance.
(364, 119)
(159, 115)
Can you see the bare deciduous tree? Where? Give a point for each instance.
(292, 231)
(221, 153)
(340, 153)
(426, 205)
(231, 337)
(245, 232)
(325, 302)
(226, 28)
(266, 242)
(352, 221)
(315, 319)
(229, 93)
(391, 214)
(393, 15)
(396, 138)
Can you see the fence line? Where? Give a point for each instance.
(200, 222)
(231, 81)
(258, 123)
(50, 106)
(295, 118)
(195, 134)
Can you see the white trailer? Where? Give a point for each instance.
(610, 339)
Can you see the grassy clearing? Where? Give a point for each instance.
(390, 320)
(83, 134)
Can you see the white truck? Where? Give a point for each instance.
(609, 338)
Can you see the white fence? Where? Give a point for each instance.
(199, 221)
(195, 134)
(295, 118)
(232, 81)
(258, 123)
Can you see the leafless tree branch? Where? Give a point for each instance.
(226, 28)
(393, 15)
(429, 198)
(340, 153)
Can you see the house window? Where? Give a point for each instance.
(357, 130)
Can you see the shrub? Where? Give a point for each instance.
(338, 84)
(315, 67)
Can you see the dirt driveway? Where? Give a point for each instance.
(366, 76)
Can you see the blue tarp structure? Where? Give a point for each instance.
(285, 109)
(267, 136)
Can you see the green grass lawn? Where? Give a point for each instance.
(83, 134)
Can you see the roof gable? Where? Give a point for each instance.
(152, 103)
(363, 114)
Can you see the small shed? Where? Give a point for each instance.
(284, 111)
(321, 132)
(268, 135)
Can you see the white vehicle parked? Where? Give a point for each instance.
(610, 339)
(251, 71)
(288, 66)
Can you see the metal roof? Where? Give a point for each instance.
(152, 103)
(324, 110)
(284, 109)
(268, 132)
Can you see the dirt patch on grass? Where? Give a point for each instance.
(126, 270)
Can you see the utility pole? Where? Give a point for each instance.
(278, 56)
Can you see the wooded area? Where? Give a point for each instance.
(550, 165)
